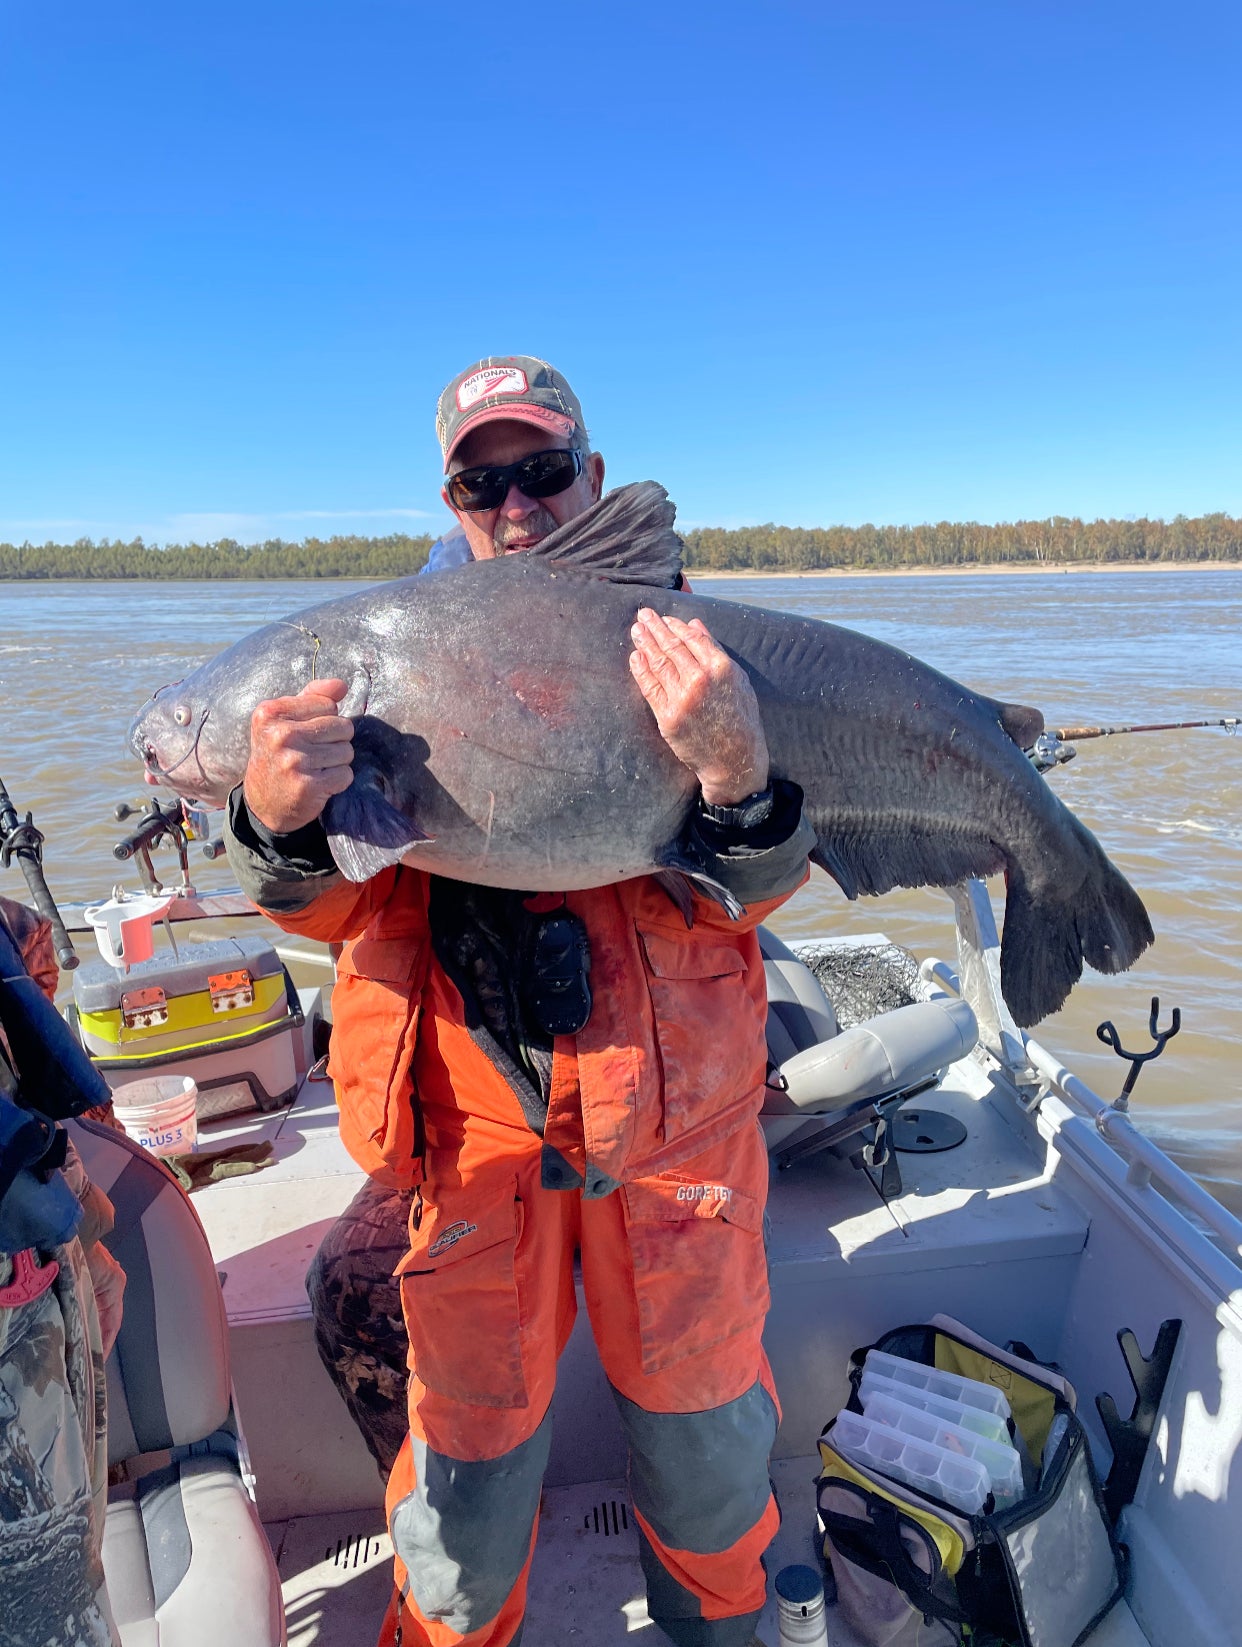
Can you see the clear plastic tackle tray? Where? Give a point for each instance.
(985, 1396)
(989, 1425)
(957, 1480)
(1000, 1460)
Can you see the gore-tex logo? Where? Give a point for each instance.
(450, 1237)
(704, 1192)
(492, 380)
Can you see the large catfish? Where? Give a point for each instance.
(500, 739)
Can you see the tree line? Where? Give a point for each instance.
(394, 556)
(1062, 540)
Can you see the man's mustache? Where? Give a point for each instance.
(536, 525)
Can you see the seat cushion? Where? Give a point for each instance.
(800, 1015)
(188, 1564)
(168, 1374)
(884, 1055)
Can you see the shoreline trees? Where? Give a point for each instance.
(1061, 541)
(1058, 541)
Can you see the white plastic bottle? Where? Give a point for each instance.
(800, 1607)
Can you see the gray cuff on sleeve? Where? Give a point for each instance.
(765, 862)
(283, 873)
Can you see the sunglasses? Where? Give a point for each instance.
(542, 475)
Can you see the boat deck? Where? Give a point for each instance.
(981, 1232)
(586, 1587)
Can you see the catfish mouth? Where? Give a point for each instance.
(186, 775)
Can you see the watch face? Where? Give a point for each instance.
(746, 814)
(755, 809)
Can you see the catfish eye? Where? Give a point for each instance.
(181, 715)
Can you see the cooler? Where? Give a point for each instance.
(225, 1013)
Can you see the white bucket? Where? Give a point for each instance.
(160, 1113)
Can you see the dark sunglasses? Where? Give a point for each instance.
(542, 475)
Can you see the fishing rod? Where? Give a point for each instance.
(1055, 745)
(25, 843)
(1064, 734)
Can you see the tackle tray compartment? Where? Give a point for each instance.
(224, 1012)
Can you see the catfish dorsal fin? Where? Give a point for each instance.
(627, 536)
(1023, 724)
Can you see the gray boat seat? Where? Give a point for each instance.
(186, 1560)
(829, 1087)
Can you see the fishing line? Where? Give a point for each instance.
(303, 630)
(192, 750)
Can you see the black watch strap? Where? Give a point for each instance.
(746, 814)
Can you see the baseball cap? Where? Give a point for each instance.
(515, 388)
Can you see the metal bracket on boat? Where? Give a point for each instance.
(978, 965)
(1108, 1034)
(1031, 1095)
(1129, 1437)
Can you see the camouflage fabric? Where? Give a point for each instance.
(32, 933)
(53, 1464)
(356, 1304)
(53, 1427)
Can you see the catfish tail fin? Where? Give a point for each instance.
(1045, 941)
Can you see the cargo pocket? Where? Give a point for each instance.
(376, 1007)
(697, 995)
(462, 1303)
(699, 1266)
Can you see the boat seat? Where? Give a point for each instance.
(837, 1089)
(185, 1557)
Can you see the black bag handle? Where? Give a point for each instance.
(877, 1547)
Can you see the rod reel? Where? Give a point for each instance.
(174, 822)
(24, 841)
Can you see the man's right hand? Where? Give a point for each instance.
(301, 754)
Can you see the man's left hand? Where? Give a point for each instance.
(704, 705)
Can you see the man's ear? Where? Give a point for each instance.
(595, 470)
(448, 503)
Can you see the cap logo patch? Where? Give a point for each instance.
(491, 380)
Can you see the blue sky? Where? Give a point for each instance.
(803, 262)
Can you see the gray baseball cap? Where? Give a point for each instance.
(515, 388)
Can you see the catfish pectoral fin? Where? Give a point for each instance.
(366, 832)
(830, 860)
(676, 868)
(678, 889)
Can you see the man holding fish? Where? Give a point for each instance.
(542, 1076)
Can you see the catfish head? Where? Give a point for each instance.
(194, 736)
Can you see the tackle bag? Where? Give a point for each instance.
(911, 1569)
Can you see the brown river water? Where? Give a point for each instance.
(1114, 648)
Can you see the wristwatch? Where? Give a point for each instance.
(746, 814)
